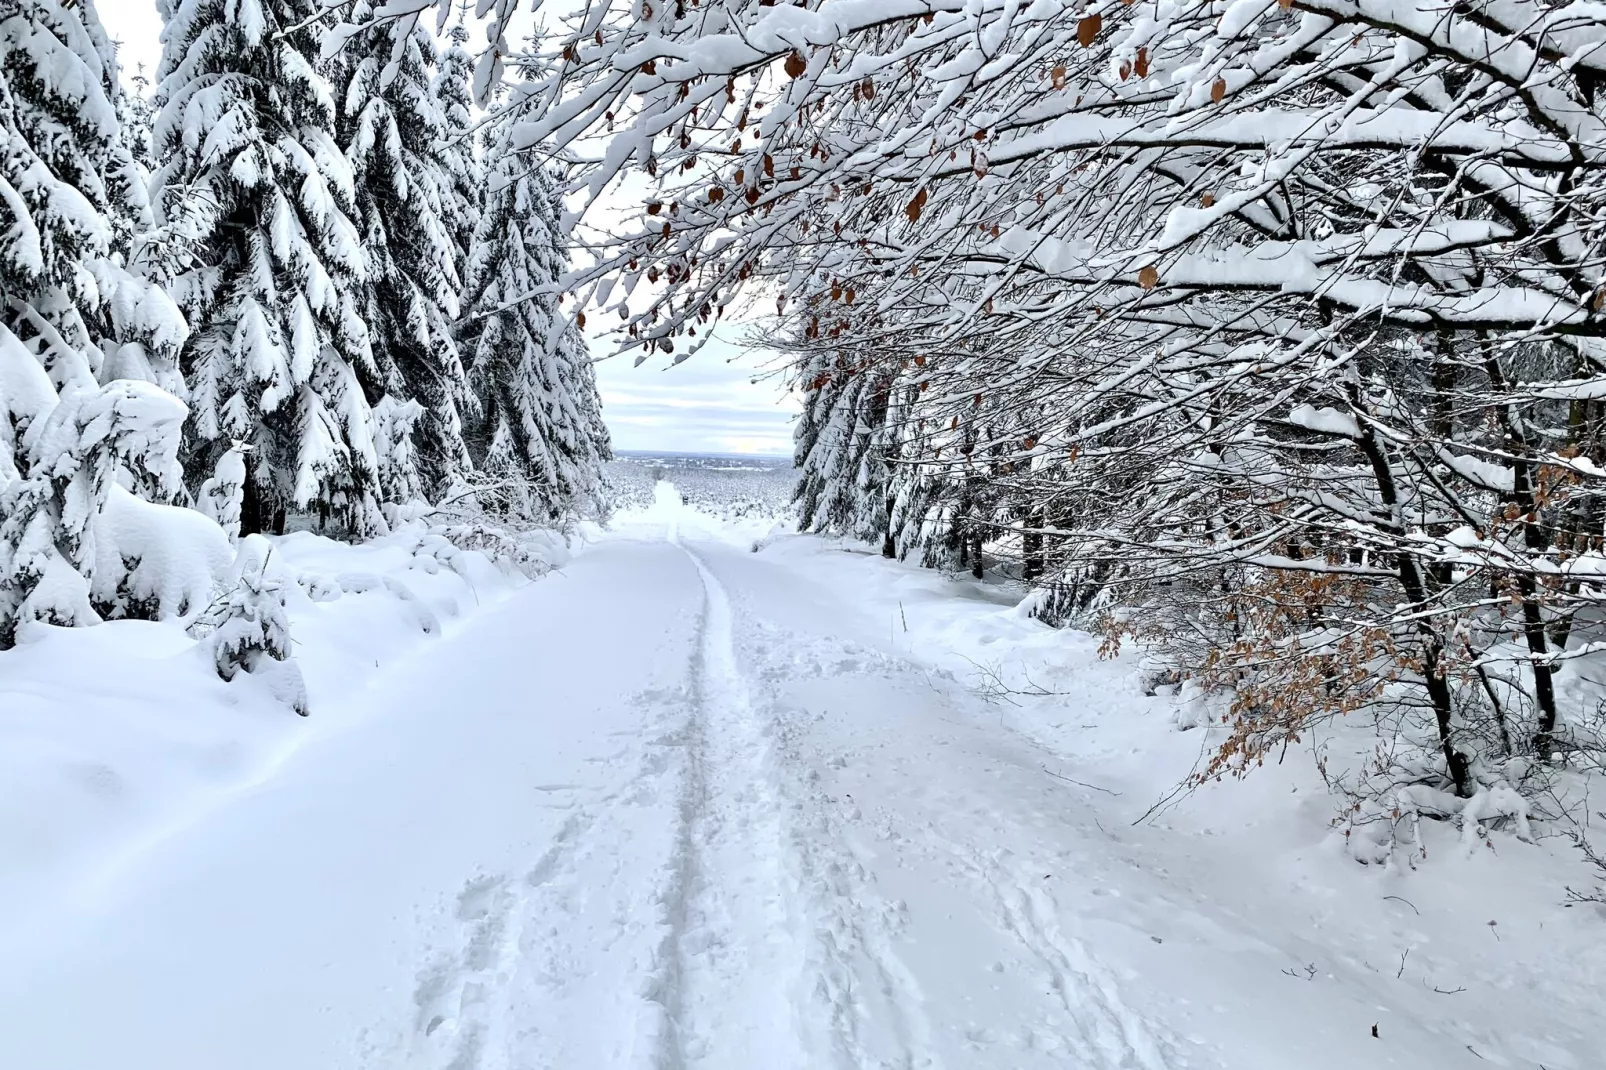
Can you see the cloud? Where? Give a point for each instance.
(708, 404)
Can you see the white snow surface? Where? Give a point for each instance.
(712, 796)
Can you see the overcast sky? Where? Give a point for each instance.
(709, 404)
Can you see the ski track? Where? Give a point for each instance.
(716, 903)
(723, 994)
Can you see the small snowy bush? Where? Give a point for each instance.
(245, 627)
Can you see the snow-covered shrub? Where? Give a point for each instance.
(75, 545)
(245, 629)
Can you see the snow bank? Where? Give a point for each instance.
(113, 736)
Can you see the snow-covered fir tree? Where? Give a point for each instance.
(541, 433)
(73, 452)
(60, 130)
(409, 181)
(245, 141)
(453, 87)
(842, 445)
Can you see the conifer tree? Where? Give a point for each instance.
(396, 137)
(541, 428)
(465, 176)
(58, 129)
(70, 448)
(841, 448)
(245, 143)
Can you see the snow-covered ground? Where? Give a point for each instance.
(712, 796)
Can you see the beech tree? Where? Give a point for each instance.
(1274, 326)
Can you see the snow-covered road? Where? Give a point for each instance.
(673, 808)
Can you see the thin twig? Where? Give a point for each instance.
(1071, 780)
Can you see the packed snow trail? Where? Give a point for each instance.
(672, 809)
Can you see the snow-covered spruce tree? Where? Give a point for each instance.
(395, 444)
(843, 446)
(58, 133)
(395, 135)
(541, 433)
(465, 178)
(245, 130)
(76, 544)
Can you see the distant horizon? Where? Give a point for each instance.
(639, 452)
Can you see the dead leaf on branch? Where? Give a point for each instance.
(915, 206)
(1148, 278)
(796, 65)
(1087, 30)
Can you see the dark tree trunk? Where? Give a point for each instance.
(1415, 586)
(251, 506)
(1524, 494)
(1031, 543)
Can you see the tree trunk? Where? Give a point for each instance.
(250, 507)
(1416, 593)
(1031, 542)
(1524, 495)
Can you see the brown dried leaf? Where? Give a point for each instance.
(796, 65)
(915, 206)
(1141, 67)
(1218, 89)
(1087, 30)
(1148, 278)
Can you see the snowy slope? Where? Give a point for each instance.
(119, 735)
(685, 805)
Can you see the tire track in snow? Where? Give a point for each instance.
(857, 1005)
(721, 994)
